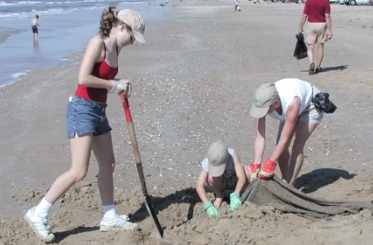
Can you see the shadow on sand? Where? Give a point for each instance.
(188, 195)
(331, 68)
(321, 177)
(64, 234)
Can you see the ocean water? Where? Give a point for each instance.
(65, 28)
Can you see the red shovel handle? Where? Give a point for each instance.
(127, 112)
(136, 151)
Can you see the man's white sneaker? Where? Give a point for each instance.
(39, 225)
(120, 222)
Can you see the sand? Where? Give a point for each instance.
(193, 83)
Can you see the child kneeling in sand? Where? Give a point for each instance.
(222, 172)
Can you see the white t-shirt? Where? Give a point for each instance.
(289, 88)
(229, 167)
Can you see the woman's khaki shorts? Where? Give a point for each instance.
(311, 114)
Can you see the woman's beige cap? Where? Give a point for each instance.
(135, 21)
(264, 97)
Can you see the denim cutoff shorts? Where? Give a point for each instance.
(86, 116)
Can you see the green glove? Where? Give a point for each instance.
(235, 201)
(210, 209)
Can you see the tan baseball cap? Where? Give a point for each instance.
(217, 155)
(264, 97)
(133, 19)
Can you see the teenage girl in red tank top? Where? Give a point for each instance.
(87, 126)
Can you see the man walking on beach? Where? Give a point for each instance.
(34, 26)
(319, 29)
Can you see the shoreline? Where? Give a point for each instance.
(57, 39)
(6, 33)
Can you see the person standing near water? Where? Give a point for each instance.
(34, 26)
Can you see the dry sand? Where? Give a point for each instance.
(193, 83)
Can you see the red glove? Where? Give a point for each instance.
(254, 171)
(268, 169)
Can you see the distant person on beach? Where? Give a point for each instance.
(87, 125)
(222, 173)
(34, 26)
(319, 30)
(289, 101)
(237, 5)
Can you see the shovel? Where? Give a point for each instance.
(140, 171)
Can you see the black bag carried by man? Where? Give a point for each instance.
(322, 103)
(300, 51)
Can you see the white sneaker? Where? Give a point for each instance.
(120, 222)
(39, 225)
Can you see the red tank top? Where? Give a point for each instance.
(102, 70)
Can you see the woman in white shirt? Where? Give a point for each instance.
(290, 101)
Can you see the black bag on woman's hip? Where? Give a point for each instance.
(322, 103)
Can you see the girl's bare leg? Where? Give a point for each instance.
(103, 149)
(80, 156)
